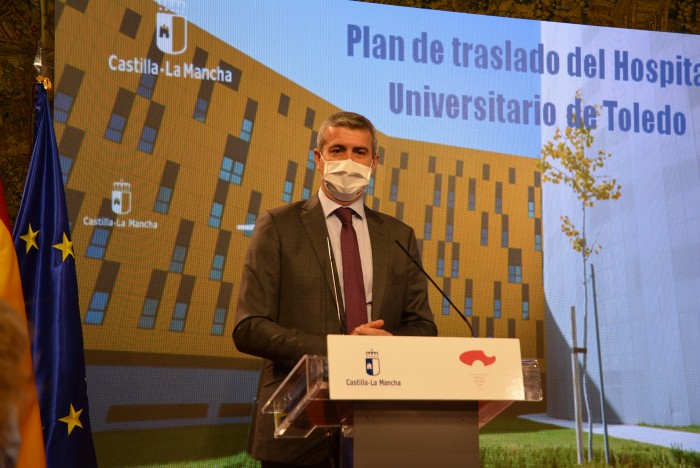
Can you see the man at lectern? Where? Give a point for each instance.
(326, 265)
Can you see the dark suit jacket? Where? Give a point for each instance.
(286, 304)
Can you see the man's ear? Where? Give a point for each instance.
(375, 161)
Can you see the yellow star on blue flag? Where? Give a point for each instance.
(30, 239)
(73, 419)
(66, 247)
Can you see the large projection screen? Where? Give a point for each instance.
(180, 122)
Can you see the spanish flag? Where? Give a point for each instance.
(31, 450)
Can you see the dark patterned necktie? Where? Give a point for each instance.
(353, 282)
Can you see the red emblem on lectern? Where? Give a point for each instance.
(470, 357)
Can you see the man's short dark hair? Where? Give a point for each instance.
(349, 120)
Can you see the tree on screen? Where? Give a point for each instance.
(569, 159)
(565, 159)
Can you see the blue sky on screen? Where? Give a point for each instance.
(321, 46)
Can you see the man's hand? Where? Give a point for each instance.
(371, 328)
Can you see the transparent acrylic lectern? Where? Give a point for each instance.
(389, 433)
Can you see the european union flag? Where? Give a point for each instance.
(47, 267)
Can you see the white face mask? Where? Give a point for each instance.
(345, 179)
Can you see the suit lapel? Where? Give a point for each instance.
(379, 237)
(315, 225)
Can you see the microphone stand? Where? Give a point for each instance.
(461, 315)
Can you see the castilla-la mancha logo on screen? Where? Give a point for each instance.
(171, 27)
(121, 197)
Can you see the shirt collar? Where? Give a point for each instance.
(329, 206)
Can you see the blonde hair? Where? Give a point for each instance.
(13, 375)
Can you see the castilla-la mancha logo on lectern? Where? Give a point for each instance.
(372, 362)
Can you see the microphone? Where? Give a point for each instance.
(461, 315)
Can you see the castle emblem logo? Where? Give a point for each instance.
(372, 362)
(121, 197)
(171, 27)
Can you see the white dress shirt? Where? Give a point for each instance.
(359, 223)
